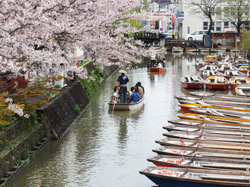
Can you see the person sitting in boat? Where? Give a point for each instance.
(153, 61)
(139, 89)
(164, 62)
(159, 65)
(115, 98)
(135, 96)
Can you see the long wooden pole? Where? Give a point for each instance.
(113, 108)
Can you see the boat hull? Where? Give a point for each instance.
(126, 106)
(217, 86)
(192, 85)
(162, 182)
(160, 70)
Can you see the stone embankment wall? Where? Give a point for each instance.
(20, 142)
(61, 113)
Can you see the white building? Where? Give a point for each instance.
(193, 22)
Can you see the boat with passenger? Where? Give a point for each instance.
(126, 106)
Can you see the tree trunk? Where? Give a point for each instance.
(238, 29)
(210, 25)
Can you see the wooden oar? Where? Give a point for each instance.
(113, 107)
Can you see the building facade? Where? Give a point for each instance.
(193, 22)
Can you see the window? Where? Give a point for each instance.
(205, 25)
(188, 30)
(247, 26)
(218, 26)
(226, 24)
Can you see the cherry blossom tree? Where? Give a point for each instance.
(49, 32)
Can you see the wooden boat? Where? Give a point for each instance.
(202, 129)
(200, 152)
(207, 73)
(238, 80)
(230, 74)
(187, 177)
(195, 123)
(158, 50)
(228, 67)
(209, 135)
(210, 58)
(198, 163)
(241, 61)
(188, 107)
(219, 112)
(229, 103)
(177, 50)
(187, 97)
(244, 69)
(203, 143)
(216, 96)
(213, 68)
(199, 64)
(188, 125)
(216, 82)
(243, 89)
(216, 119)
(202, 94)
(231, 98)
(126, 106)
(192, 82)
(224, 62)
(157, 69)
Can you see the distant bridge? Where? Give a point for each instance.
(148, 37)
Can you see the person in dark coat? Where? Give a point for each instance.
(122, 86)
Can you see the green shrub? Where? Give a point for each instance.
(91, 86)
(77, 109)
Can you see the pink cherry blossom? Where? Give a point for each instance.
(50, 31)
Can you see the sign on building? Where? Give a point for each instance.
(180, 15)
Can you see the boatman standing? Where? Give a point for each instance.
(122, 84)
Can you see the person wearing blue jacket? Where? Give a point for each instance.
(135, 96)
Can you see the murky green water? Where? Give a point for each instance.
(104, 150)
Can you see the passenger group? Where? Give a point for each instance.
(121, 93)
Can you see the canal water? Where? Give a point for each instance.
(104, 149)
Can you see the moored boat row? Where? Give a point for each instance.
(204, 150)
(209, 144)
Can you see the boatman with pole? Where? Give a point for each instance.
(122, 85)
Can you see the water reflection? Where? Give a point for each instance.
(122, 119)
